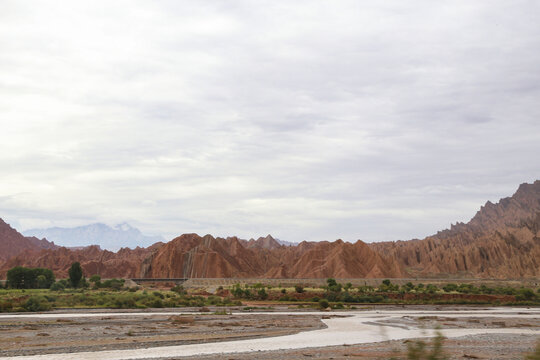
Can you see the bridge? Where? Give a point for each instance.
(164, 280)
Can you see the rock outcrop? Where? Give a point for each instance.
(125, 263)
(12, 243)
(192, 256)
(500, 241)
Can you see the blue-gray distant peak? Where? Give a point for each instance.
(110, 238)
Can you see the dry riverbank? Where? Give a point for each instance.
(368, 333)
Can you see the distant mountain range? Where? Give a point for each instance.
(106, 237)
(501, 241)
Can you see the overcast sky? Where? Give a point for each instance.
(309, 120)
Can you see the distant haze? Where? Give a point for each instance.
(307, 120)
(110, 238)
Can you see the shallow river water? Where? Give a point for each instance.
(355, 327)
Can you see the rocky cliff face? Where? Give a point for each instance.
(124, 263)
(12, 243)
(192, 256)
(500, 241)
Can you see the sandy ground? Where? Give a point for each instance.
(512, 333)
(489, 346)
(30, 336)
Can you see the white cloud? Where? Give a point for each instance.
(307, 120)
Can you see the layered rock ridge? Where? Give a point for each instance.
(500, 241)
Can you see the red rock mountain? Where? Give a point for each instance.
(12, 243)
(192, 256)
(500, 241)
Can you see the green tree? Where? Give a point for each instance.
(331, 282)
(41, 281)
(333, 285)
(16, 277)
(29, 278)
(75, 274)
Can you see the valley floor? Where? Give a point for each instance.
(278, 333)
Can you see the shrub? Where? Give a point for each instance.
(419, 349)
(124, 302)
(179, 289)
(58, 286)
(114, 284)
(6, 305)
(158, 294)
(347, 297)
(450, 287)
(333, 285)
(323, 303)
(365, 289)
(299, 289)
(95, 278)
(408, 287)
(262, 294)
(525, 294)
(36, 303)
(387, 285)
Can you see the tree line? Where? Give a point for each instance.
(21, 277)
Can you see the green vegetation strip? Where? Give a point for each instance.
(36, 289)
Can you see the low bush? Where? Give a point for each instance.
(179, 289)
(6, 305)
(37, 303)
(58, 286)
(158, 294)
(323, 304)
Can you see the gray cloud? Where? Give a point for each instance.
(312, 120)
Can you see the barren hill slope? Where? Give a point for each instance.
(192, 256)
(501, 241)
(12, 243)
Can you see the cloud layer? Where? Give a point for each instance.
(308, 120)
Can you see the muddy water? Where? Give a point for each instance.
(354, 327)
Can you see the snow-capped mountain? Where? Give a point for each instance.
(110, 238)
